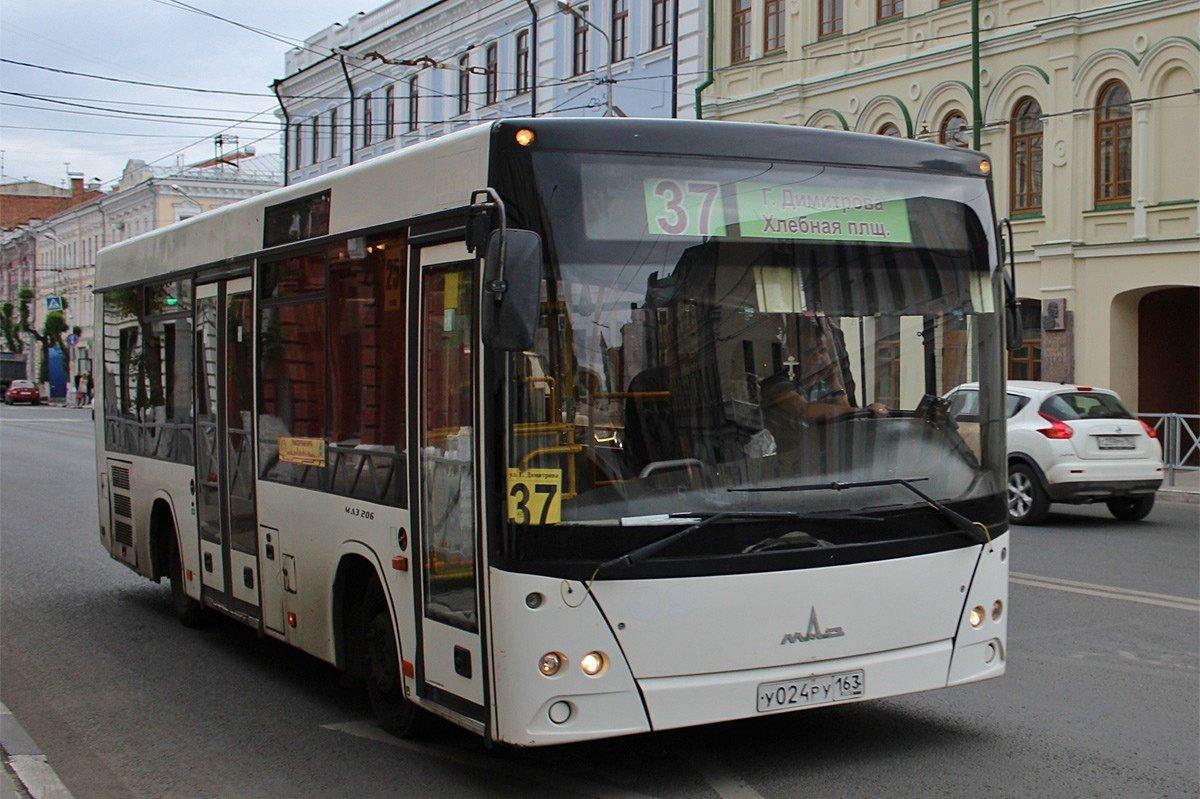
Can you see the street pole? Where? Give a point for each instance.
(566, 7)
(977, 123)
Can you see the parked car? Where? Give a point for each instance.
(1071, 444)
(22, 391)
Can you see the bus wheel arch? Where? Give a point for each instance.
(162, 530)
(166, 561)
(354, 577)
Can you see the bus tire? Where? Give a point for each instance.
(381, 671)
(189, 612)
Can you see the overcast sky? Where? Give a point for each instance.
(146, 40)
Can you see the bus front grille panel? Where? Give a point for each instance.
(120, 478)
(123, 532)
(122, 506)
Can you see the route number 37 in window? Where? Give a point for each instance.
(684, 207)
(535, 496)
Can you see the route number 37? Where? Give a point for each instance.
(535, 496)
(684, 207)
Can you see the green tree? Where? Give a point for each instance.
(11, 328)
(51, 335)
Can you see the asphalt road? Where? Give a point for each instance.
(1101, 698)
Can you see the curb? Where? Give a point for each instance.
(1179, 495)
(27, 761)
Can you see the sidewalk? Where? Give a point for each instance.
(1186, 488)
(25, 773)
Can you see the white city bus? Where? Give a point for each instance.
(563, 429)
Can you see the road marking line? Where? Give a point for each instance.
(1183, 604)
(484, 762)
(722, 780)
(1109, 588)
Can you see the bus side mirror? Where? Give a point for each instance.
(513, 270)
(1013, 334)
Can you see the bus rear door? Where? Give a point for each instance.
(225, 496)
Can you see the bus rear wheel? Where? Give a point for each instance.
(189, 612)
(381, 669)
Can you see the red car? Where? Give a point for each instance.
(22, 391)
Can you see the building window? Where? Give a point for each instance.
(1114, 143)
(660, 24)
(491, 83)
(316, 141)
(579, 42)
(619, 32)
(1025, 362)
(888, 129)
(414, 103)
(389, 112)
(333, 133)
(886, 9)
(367, 121)
(522, 81)
(955, 131)
(772, 26)
(740, 30)
(1025, 156)
(464, 85)
(829, 14)
(297, 143)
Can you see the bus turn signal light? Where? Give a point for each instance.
(976, 616)
(525, 137)
(985, 167)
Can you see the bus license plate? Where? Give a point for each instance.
(815, 690)
(1117, 442)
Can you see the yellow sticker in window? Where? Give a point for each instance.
(535, 496)
(302, 451)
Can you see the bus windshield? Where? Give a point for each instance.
(714, 331)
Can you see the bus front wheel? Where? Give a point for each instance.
(385, 686)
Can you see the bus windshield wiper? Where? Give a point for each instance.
(654, 547)
(977, 531)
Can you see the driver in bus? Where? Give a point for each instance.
(820, 388)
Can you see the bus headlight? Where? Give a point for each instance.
(976, 616)
(551, 663)
(592, 663)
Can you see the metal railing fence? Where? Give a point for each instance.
(1180, 437)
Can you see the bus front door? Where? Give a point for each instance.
(225, 509)
(449, 664)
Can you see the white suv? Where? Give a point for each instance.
(1073, 444)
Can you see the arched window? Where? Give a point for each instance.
(888, 129)
(1025, 157)
(1114, 143)
(955, 131)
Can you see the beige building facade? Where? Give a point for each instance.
(1092, 120)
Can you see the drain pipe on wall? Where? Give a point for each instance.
(708, 80)
(287, 130)
(533, 58)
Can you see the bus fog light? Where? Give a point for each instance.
(560, 712)
(592, 663)
(551, 663)
(976, 616)
(997, 610)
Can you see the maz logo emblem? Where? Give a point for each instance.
(813, 633)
